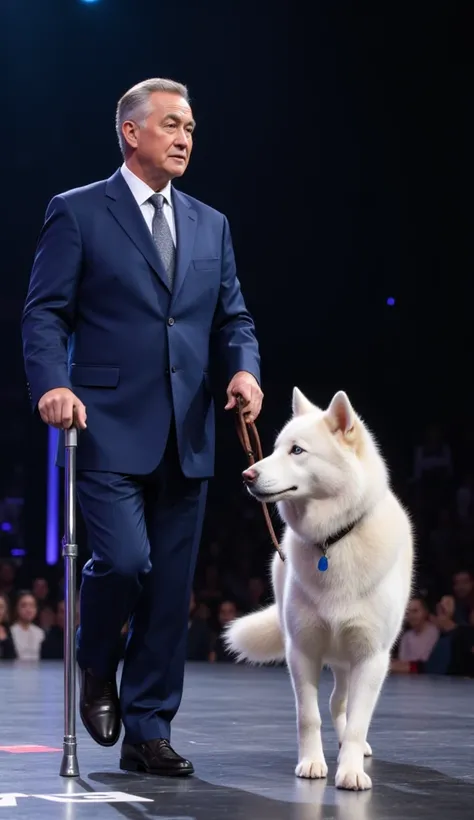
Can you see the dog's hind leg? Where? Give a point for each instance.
(305, 673)
(338, 705)
(365, 683)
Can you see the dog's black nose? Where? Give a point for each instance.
(249, 475)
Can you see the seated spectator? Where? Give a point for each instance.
(453, 653)
(7, 649)
(440, 659)
(418, 641)
(27, 637)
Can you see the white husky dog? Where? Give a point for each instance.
(342, 592)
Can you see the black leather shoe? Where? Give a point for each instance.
(100, 708)
(154, 757)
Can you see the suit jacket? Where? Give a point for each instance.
(100, 319)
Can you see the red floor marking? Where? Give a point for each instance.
(25, 750)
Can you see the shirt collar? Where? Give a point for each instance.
(140, 190)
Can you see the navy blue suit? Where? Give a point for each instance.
(100, 318)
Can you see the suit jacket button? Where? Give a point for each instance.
(173, 370)
(171, 321)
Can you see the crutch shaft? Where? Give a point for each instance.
(69, 765)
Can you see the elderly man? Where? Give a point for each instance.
(133, 284)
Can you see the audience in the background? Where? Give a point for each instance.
(46, 617)
(232, 575)
(418, 641)
(453, 652)
(27, 637)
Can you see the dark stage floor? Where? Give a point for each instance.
(237, 725)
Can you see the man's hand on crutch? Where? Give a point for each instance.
(61, 408)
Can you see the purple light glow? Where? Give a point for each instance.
(52, 489)
(390, 301)
(6, 527)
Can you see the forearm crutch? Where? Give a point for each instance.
(69, 765)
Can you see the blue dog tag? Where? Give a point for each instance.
(323, 563)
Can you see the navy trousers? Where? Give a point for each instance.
(144, 534)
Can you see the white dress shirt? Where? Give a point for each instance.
(27, 642)
(142, 192)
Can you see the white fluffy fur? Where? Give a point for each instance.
(349, 616)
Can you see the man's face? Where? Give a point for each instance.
(164, 142)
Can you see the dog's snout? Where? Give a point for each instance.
(249, 475)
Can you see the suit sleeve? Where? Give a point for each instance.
(49, 310)
(233, 327)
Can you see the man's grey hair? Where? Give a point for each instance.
(135, 103)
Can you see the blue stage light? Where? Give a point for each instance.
(391, 301)
(89, 1)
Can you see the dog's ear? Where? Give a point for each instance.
(300, 403)
(340, 415)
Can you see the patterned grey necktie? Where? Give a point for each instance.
(162, 237)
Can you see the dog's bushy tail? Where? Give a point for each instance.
(257, 637)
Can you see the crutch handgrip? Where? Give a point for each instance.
(71, 436)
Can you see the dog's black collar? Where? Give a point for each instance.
(333, 539)
(339, 535)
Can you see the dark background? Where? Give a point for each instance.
(337, 137)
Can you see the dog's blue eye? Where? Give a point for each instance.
(296, 451)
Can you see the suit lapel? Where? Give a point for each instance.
(186, 224)
(124, 208)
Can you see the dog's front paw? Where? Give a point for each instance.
(313, 769)
(353, 779)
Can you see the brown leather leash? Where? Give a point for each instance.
(250, 441)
